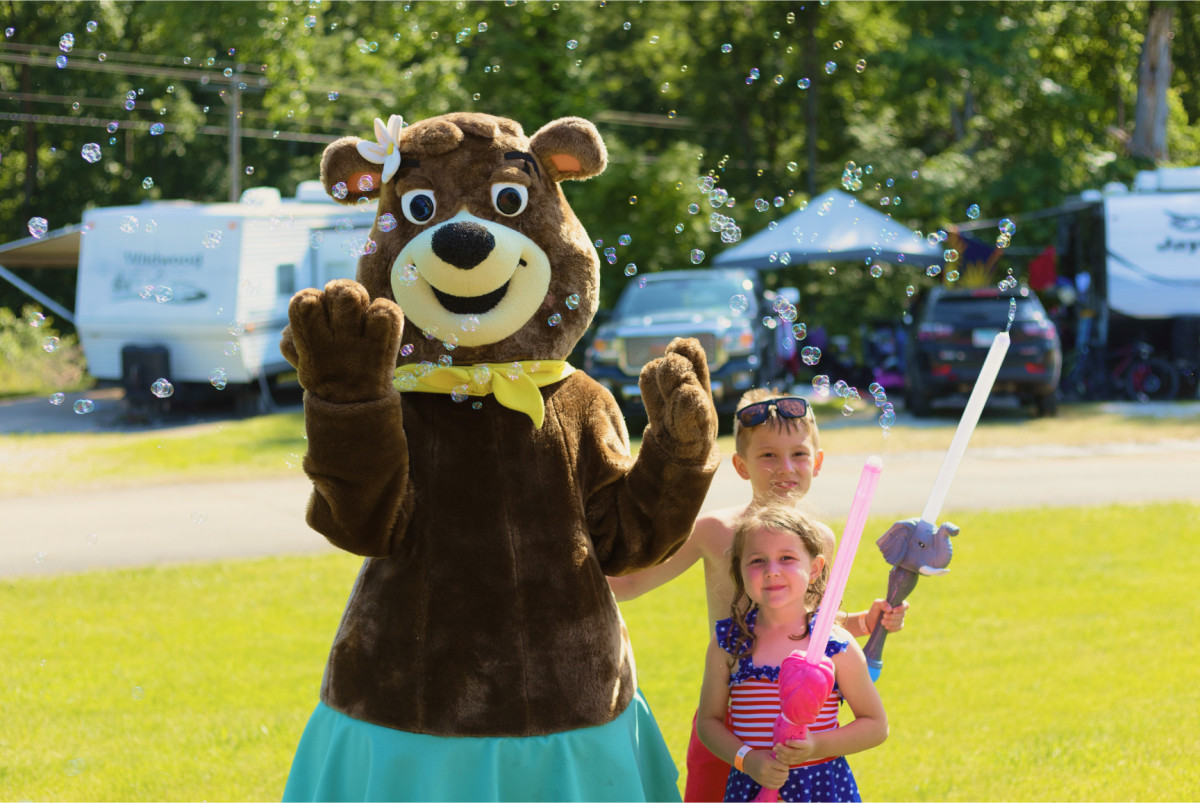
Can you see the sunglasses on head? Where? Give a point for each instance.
(788, 407)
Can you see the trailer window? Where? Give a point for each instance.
(285, 279)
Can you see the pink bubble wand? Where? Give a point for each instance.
(806, 676)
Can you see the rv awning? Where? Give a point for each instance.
(57, 249)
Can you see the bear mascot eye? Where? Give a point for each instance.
(509, 199)
(418, 206)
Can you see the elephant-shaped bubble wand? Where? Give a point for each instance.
(918, 546)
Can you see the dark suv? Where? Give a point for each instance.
(950, 332)
(704, 304)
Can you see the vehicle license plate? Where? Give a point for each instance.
(983, 337)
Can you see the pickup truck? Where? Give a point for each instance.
(722, 308)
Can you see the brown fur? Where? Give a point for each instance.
(482, 608)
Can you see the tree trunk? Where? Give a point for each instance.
(1154, 77)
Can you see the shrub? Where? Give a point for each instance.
(35, 359)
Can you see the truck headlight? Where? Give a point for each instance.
(604, 349)
(738, 341)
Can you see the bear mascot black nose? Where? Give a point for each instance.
(464, 244)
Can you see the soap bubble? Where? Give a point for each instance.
(310, 21)
(404, 275)
(50, 345)
(888, 417)
(445, 361)
(573, 301)
(460, 393)
(933, 270)
(211, 239)
(697, 256)
(218, 378)
(38, 226)
(830, 67)
(821, 385)
(679, 228)
(554, 319)
(908, 291)
(92, 26)
(860, 65)
(810, 355)
(91, 152)
(232, 347)
(799, 331)
(572, 44)
(333, 96)
(162, 388)
(366, 183)
(340, 190)
(35, 319)
(804, 83)
(84, 406)
(481, 375)
(952, 276)
(973, 211)
(1007, 226)
(57, 398)
(157, 129)
(147, 183)
(739, 303)
(624, 239)
(470, 323)
(61, 61)
(163, 294)
(129, 224)
(386, 222)
(631, 269)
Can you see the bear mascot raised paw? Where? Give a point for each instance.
(488, 484)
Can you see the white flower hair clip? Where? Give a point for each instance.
(386, 150)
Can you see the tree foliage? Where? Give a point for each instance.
(1009, 105)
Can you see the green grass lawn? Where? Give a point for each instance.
(194, 682)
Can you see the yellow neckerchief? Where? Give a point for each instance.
(514, 384)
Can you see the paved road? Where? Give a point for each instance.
(70, 532)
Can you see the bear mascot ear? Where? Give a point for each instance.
(570, 148)
(343, 164)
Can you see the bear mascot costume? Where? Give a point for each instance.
(488, 485)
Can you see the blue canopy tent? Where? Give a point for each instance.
(834, 227)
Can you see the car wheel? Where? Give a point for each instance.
(1046, 404)
(917, 403)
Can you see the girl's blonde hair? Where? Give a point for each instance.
(780, 518)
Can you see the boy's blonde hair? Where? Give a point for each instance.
(741, 435)
(783, 518)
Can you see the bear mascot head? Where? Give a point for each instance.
(488, 484)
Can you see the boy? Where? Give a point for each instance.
(778, 450)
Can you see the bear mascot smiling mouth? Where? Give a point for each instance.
(487, 483)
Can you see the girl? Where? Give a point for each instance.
(779, 576)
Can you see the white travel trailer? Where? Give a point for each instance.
(198, 293)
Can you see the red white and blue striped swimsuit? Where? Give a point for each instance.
(753, 707)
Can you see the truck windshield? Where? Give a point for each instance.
(683, 294)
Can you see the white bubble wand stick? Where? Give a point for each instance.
(906, 558)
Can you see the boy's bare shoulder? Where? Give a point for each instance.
(827, 536)
(713, 531)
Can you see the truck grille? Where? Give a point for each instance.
(640, 350)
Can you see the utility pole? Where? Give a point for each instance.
(234, 100)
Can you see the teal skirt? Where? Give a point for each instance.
(342, 758)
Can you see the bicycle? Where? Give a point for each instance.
(1132, 372)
